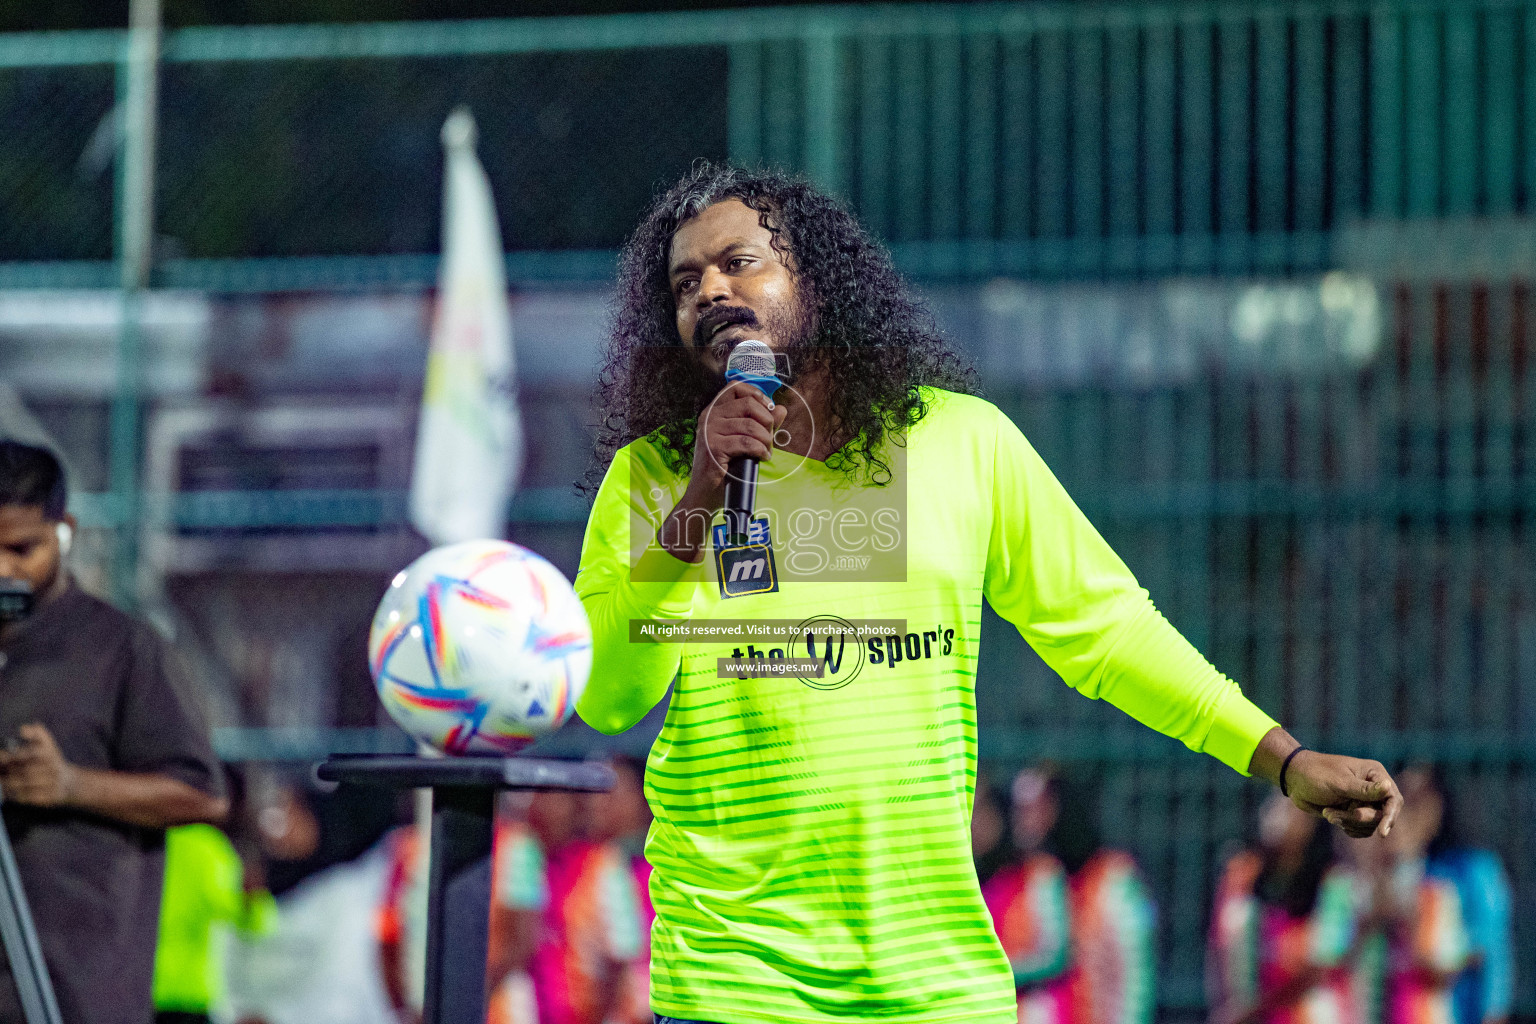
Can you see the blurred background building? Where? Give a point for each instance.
(1254, 278)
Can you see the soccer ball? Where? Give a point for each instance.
(480, 648)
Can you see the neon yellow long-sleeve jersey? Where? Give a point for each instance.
(811, 842)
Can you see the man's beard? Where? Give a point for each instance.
(792, 326)
(662, 375)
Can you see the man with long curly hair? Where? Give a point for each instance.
(810, 849)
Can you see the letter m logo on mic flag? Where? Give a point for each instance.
(469, 444)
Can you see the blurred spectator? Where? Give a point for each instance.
(320, 962)
(1364, 864)
(519, 899)
(287, 829)
(1114, 925)
(591, 929)
(207, 884)
(990, 845)
(1028, 901)
(622, 816)
(565, 925)
(304, 829)
(1232, 947)
(1428, 945)
(1111, 919)
(102, 754)
(1485, 992)
(519, 902)
(401, 923)
(1283, 927)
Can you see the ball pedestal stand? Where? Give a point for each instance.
(459, 870)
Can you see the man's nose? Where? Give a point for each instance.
(714, 288)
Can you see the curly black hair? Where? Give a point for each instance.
(877, 342)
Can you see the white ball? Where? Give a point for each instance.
(480, 647)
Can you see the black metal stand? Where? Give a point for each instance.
(459, 871)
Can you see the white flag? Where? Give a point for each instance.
(469, 444)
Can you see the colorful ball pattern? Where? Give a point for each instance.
(480, 648)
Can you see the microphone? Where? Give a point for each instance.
(16, 599)
(751, 361)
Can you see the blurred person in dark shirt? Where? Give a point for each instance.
(99, 753)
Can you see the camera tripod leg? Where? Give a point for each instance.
(33, 988)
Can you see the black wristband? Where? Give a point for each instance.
(1284, 791)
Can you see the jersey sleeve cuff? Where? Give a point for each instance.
(1236, 729)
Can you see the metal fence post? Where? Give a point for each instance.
(138, 73)
(823, 141)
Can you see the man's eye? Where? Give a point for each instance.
(740, 261)
(685, 285)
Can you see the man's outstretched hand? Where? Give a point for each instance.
(1353, 793)
(1350, 792)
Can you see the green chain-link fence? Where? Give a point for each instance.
(1035, 139)
(1350, 542)
(1346, 536)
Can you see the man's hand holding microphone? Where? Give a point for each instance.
(739, 424)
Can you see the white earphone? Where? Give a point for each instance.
(66, 537)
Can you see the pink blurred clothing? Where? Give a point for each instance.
(591, 934)
(1029, 905)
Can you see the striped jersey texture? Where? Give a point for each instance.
(811, 843)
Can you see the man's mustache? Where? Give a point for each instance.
(721, 317)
